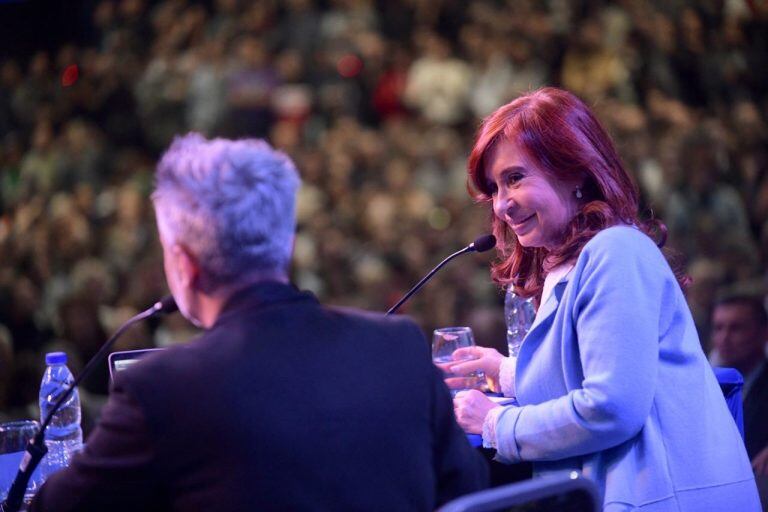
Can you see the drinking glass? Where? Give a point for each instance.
(445, 341)
(14, 437)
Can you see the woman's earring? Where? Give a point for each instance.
(578, 193)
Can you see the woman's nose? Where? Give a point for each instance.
(502, 204)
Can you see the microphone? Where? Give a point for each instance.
(481, 244)
(165, 306)
(36, 448)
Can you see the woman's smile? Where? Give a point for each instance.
(522, 225)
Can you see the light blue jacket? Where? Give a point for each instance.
(612, 381)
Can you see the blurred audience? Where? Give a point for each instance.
(376, 101)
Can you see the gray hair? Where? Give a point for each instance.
(230, 202)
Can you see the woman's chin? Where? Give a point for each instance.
(528, 241)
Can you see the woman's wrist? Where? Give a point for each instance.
(489, 427)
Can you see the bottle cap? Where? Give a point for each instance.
(56, 358)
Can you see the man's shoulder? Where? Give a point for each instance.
(195, 356)
(372, 317)
(285, 316)
(398, 328)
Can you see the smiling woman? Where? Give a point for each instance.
(610, 380)
(554, 135)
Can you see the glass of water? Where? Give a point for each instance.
(445, 341)
(14, 437)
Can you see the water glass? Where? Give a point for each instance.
(14, 437)
(445, 341)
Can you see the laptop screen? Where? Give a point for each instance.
(119, 361)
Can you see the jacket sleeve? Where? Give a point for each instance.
(115, 469)
(620, 280)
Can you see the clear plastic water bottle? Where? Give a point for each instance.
(519, 314)
(63, 437)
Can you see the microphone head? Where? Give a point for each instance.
(483, 243)
(166, 305)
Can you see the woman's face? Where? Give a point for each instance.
(534, 206)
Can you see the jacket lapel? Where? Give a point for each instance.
(536, 334)
(548, 309)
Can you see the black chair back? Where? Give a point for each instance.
(566, 492)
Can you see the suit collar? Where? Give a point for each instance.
(759, 373)
(259, 295)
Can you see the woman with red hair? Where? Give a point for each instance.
(611, 379)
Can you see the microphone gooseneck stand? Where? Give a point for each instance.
(36, 448)
(481, 244)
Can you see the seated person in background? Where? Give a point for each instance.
(282, 404)
(739, 334)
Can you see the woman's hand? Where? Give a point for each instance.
(759, 463)
(471, 359)
(470, 408)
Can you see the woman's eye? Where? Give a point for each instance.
(514, 178)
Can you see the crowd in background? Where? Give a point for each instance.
(377, 102)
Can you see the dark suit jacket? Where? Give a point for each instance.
(282, 405)
(756, 414)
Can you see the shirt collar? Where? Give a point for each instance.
(554, 276)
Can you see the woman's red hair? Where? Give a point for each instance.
(561, 134)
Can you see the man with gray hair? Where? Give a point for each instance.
(281, 404)
(227, 207)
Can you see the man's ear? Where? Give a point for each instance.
(186, 266)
